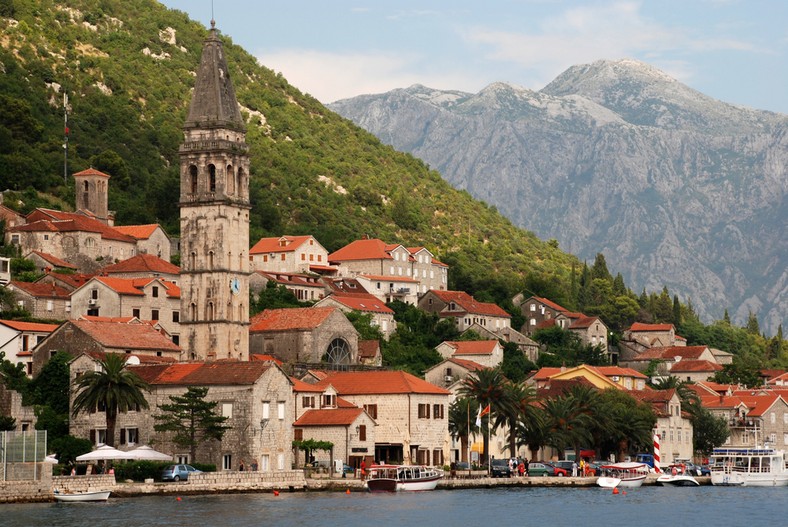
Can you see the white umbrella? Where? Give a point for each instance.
(51, 459)
(103, 453)
(146, 452)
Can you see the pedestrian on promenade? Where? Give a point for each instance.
(241, 467)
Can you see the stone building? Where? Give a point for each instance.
(151, 239)
(97, 337)
(41, 299)
(47, 263)
(147, 299)
(382, 315)
(288, 254)
(305, 335)
(373, 257)
(92, 194)
(488, 353)
(143, 266)
(537, 310)
(18, 338)
(306, 288)
(464, 310)
(214, 206)
(411, 414)
(673, 424)
(446, 373)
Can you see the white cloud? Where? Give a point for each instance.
(332, 76)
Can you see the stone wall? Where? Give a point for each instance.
(27, 490)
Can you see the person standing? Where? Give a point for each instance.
(574, 469)
(363, 468)
(241, 466)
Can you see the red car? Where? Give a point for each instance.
(555, 470)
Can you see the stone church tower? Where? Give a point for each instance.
(92, 191)
(214, 205)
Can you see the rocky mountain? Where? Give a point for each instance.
(674, 187)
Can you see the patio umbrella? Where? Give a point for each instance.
(103, 453)
(146, 452)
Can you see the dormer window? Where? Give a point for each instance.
(155, 291)
(329, 401)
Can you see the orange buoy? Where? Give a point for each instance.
(347, 491)
(615, 490)
(178, 498)
(624, 493)
(276, 493)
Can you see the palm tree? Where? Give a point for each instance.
(487, 387)
(533, 431)
(586, 399)
(462, 422)
(567, 424)
(517, 404)
(114, 388)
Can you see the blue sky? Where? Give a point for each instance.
(732, 50)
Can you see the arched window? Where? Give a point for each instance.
(209, 311)
(230, 180)
(192, 260)
(193, 178)
(212, 177)
(338, 352)
(239, 181)
(192, 311)
(210, 260)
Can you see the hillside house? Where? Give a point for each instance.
(41, 299)
(488, 353)
(18, 338)
(674, 426)
(447, 372)
(151, 239)
(97, 337)
(47, 263)
(306, 288)
(287, 254)
(464, 310)
(382, 315)
(143, 265)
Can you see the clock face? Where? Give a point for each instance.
(235, 286)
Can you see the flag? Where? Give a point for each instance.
(481, 413)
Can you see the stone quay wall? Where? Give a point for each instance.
(28, 490)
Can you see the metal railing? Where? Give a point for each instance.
(22, 455)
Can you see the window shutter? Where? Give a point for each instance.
(122, 436)
(93, 436)
(362, 433)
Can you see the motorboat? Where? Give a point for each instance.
(677, 475)
(95, 495)
(626, 474)
(392, 478)
(748, 467)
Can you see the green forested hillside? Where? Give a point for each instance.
(128, 85)
(127, 67)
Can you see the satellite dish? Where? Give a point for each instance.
(133, 360)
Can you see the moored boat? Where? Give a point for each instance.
(391, 478)
(96, 495)
(748, 467)
(626, 474)
(677, 475)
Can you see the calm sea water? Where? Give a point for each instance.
(577, 507)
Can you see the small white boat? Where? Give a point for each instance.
(748, 467)
(676, 475)
(627, 474)
(96, 495)
(391, 478)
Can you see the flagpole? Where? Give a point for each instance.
(468, 433)
(65, 137)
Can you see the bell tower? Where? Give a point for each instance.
(214, 207)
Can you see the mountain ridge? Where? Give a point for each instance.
(674, 187)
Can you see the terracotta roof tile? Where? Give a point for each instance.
(281, 244)
(288, 319)
(126, 336)
(91, 172)
(204, 373)
(671, 352)
(139, 232)
(263, 357)
(688, 366)
(583, 322)
(29, 326)
(329, 417)
(473, 347)
(609, 371)
(300, 386)
(54, 260)
(640, 326)
(123, 286)
(143, 263)
(361, 302)
(368, 249)
(41, 289)
(549, 303)
(470, 304)
(467, 364)
(379, 382)
(59, 221)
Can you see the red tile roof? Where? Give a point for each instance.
(140, 232)
(288, 319)
(263, 357)
(29, 326)
(671, 352)
(281, 244)
(54, 260)
(583, 322)
(58, 221)
(368, 349)
(468, 304)
(122, 286)
(473, 347)
(610, 371)
(91, 172)
(329, 417)
(389, 278)
(72, 280)
(204, 373)
(300, 386)
(690, 365)
(126, 336)
(40, 289)
(302, 280)
(640, 326)
(360, 302)
(549, 303)
(467, 364)
(121, 320)
(379, 382)
(143, 263)
(367, 249)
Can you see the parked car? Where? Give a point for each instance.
(537, 469)
(705, 470)
(500, 468)
(178, 472)
(557, 470)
